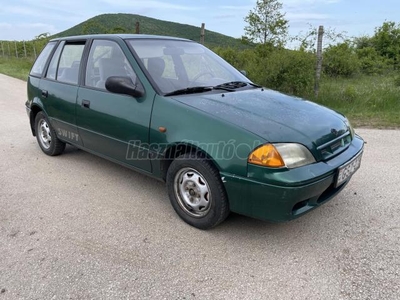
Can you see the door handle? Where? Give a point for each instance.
(86, 103)
(45, 94)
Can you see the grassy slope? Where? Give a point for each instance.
(16, 67)
(107, 22)
(371, 101)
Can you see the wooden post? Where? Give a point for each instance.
(16, 50)
(319, 60)
(24, 49)
(34, 49)
(137, 28)
(202, 33)
(2, 49)
(9, 51)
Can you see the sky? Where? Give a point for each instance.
(25, 19)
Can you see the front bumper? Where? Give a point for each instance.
(283, 196)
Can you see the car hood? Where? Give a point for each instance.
(273, 116)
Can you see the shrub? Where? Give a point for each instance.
(288, 71)
(340, 60)
(371, 62)
(241, 60)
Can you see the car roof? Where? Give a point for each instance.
(119, 36)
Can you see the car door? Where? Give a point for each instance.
(113, 125)
(59, 89)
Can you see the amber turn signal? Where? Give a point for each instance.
(266, 156)
(162, 129)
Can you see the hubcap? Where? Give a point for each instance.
(44, 134)
(192, 192)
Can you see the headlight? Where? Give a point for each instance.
(281, 155)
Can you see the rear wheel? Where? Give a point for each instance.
(46, 136)
(196, 191)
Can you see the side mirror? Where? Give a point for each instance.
(123, 85)
(243, 72)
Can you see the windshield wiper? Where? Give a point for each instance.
(235, 85)
(228, 86)
(190, 90)
(197, 89)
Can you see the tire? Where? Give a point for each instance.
(196, 191)
(47, 137)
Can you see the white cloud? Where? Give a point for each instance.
(24, 31)
(306, 16)
(37, 12)
(238, 7)
(309, 2)
(19, 10)
(5, 26)
(154, 4)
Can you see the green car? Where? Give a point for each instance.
(172, 109)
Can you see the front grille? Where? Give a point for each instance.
(335, 146)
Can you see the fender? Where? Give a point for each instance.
(34, 107)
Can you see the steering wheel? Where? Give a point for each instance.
(201, 74)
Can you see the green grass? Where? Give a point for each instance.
(371, 101)
(16, 67)
(368, 101)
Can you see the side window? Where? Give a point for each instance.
(106, 59)
(52, 70)
(68, 67)
(40, 62)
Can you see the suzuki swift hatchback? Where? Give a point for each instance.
(172, 109)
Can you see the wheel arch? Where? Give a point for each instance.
(177, 149)
(35, 109)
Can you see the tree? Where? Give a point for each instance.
(266, 23)
(387, 41)
(384, 44)
(307, 40)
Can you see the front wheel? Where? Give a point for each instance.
(196, 191)
(46, 136)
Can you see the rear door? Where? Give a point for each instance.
(114, 126)
(59, 89)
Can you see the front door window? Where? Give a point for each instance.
(106, 59)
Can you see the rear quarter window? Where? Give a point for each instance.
(40, 63)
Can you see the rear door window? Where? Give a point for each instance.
(68, 66)
(40, 63)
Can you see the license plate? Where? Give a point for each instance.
(348, 169)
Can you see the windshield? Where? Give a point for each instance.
(175, 65)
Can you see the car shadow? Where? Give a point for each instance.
(235, 225)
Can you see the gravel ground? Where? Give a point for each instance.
(79, 227)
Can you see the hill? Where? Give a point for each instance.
(125, 23)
